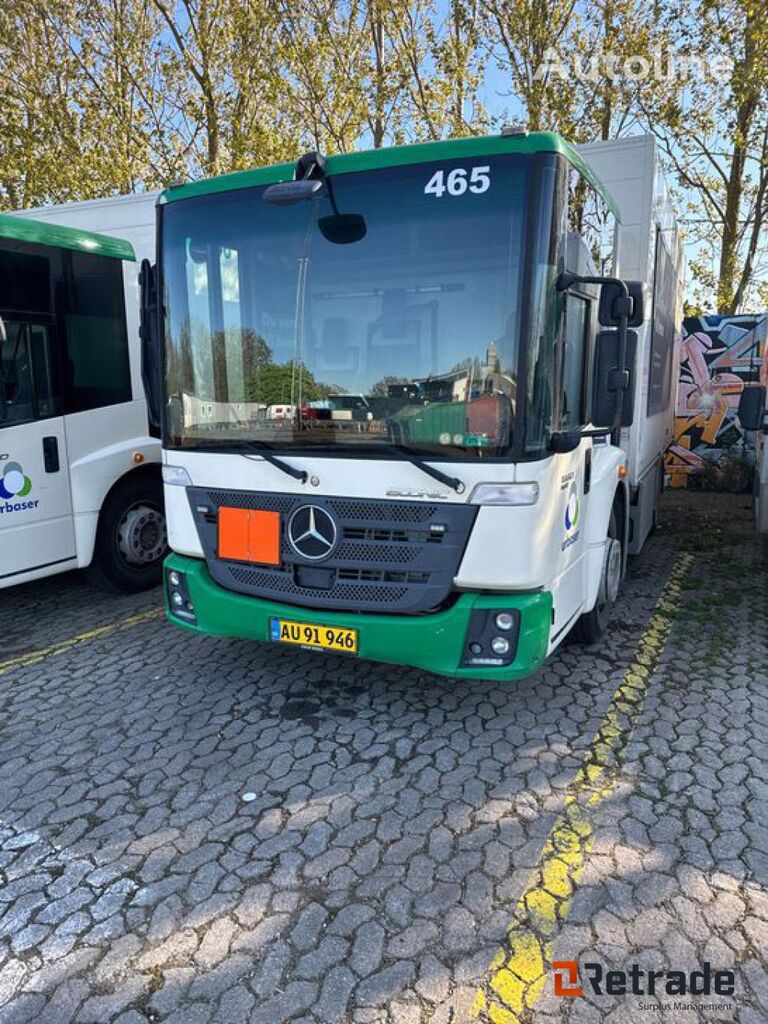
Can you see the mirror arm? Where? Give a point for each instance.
(566, 279)
(331, 196)
(622, 368)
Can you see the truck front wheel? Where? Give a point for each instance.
(592, 625)
(132, 539)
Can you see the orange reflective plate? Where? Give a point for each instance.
(249, 535)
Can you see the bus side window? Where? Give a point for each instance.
(97, 368)
(17, 399)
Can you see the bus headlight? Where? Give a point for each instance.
(176, 476)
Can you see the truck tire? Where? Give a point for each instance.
(131, 539)
(592, 625)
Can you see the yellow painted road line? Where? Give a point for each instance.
(33, 657)
(518, 973)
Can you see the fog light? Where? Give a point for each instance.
(174, 579)
(505, 621)
(500, 645)
(176, 599)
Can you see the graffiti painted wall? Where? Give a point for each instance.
(718, 355)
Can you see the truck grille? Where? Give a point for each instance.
(390, 555)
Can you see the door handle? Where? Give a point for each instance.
(51, 454)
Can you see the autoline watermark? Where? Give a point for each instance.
(658, 66)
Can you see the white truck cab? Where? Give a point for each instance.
(80, 482)
(519, 380)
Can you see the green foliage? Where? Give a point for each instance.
(101, 97)
(283, 384)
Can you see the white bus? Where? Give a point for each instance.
(80, 482)
(521, 395)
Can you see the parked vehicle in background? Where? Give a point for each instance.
(80, 483)
(751, 415)
(521, 396)
(281, 412)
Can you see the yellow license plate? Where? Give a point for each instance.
(310, 634)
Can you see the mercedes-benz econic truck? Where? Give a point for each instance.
(503, 310)
(80, 483)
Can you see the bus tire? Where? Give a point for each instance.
(592, 626)
(131, 539)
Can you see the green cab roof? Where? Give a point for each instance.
(24, 229)
(397, 156)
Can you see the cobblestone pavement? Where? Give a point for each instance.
(396, 818)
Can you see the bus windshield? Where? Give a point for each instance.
(276, 334)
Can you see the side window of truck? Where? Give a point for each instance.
(662, 331)
(96, 363)
(590, 218)
(577, 315)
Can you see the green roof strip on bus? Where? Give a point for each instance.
(395, 156)
(24, 229)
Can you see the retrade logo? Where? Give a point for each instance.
(14, 484)
(567, 978)
(312, 533)
(571, 979)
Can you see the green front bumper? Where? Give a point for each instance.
(431, 642)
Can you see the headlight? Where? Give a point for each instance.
(483, 644)
(179, 600)
(176, 476)
(505, 494)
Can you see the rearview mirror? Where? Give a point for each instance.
(609, 378)
(751, 411)
(286, 193)
(564, 441)
(611, 297)
(343, 228)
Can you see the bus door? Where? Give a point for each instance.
(36, 523)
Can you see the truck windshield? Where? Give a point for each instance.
(277, 335)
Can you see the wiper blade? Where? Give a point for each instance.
(436, 474)
(261, 449)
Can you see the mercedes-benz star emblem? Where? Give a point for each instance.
(312, 532)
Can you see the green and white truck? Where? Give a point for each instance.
(473, 296)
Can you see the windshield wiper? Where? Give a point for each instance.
(262, 449)
(401, 449)
(418, 462)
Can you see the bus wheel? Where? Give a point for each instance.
(591, 626)
(132, 539)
